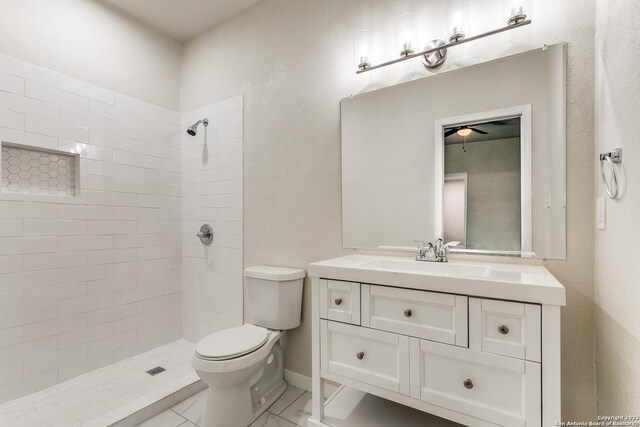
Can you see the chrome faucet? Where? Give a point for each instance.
(424, 249)
(434, 253)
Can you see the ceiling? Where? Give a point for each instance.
(181, 20)
(505, 129)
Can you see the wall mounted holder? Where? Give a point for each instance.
(611, 158)
(435, 53)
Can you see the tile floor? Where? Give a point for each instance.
(291, 410)
(107, 394)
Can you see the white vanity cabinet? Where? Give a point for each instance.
(447, 345)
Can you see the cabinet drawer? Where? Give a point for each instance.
(428, 315)
(498, 389)
(340, 301)
(506, 328)
(373, 357)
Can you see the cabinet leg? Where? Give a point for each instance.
(550, 365)
(317, 399)
(317, 383)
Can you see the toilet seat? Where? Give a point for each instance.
(232, 343)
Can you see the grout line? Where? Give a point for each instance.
(183, 418)
(178, 413)
(286, 407)
(286, 420)
(299, 397)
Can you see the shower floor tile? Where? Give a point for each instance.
(110, 394)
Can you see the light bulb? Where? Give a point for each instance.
(406, 29)
(457, 19)
(464, 132)
(362, 49)
(516, 11)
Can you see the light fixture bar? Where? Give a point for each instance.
(447, 45)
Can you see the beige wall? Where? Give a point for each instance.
(617, 248)
(293, 62)
(93, 42)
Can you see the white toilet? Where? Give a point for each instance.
(243, 366)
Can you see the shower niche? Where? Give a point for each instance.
(36, 171)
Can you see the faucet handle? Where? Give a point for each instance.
(423, 249)
(451, 243)
(421, 244)
(444, 249)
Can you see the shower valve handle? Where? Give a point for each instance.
(205, 234)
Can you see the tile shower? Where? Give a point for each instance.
(212, 191)
(107, 266)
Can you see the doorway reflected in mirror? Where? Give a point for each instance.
(482, 185)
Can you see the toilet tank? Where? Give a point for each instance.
(274, 296)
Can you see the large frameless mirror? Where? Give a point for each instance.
(446, 157)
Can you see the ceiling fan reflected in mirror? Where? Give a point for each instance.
(466, 130)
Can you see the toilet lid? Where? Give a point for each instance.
(232, 342)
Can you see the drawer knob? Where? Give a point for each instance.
(408, 312)
(468, 384)
(338, 301)
(503, 329)
(360, 355)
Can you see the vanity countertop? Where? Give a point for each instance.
(490, 280)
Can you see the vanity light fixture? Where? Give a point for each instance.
(406, 28)
(434, 54)
(362, 49)
(457, 19)
(517, 10)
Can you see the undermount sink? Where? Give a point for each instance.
(432, 268)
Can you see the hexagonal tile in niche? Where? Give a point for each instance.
(34, 171)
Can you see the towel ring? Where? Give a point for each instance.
(612, 188)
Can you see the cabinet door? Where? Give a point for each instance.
(506, 328)
(429, 315)
(498, 389)
(340, 301)
(373, 357)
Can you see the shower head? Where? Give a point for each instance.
(193, 129)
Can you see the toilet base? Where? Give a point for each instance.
(226, 407)
(269, 399)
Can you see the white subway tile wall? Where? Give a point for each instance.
(87, 281)
(212, 194)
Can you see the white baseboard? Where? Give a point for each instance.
(297, 380)
(304, 382)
